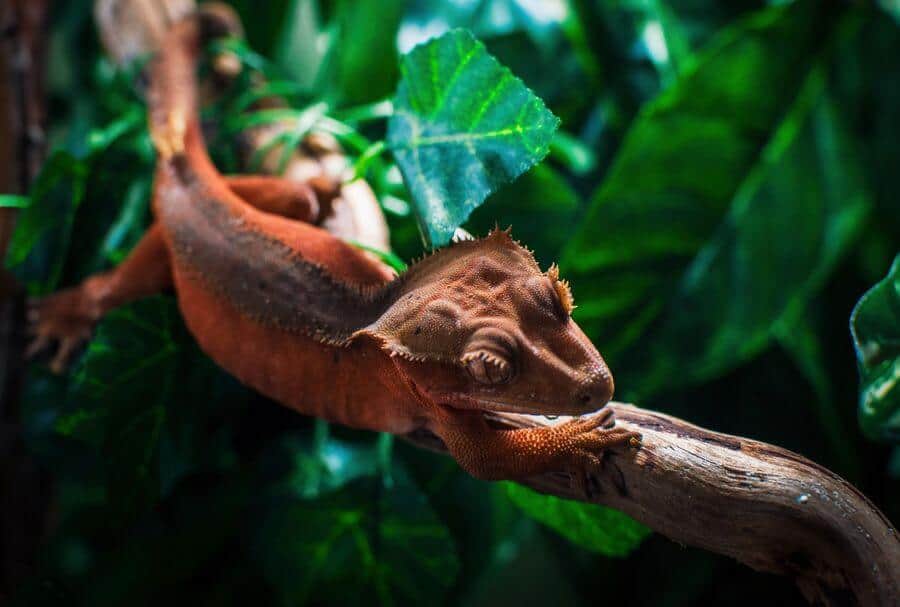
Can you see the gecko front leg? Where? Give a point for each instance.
(68, 317)
(575, 447)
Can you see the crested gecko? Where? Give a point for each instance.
(317, 325)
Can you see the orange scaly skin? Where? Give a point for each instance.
(319, 326)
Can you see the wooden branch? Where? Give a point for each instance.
(767, 507)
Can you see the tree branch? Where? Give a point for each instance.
(767, 507)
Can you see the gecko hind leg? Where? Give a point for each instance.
(302, 201)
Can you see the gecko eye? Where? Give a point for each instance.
(486, 369)
(489, 356)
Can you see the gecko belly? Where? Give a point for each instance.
(353, 384)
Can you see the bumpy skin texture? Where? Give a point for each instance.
(319, 326)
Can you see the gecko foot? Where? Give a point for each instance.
(588, 440)
(62, 319)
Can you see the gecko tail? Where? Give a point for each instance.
(172, 95)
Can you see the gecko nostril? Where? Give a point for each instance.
(585, 398)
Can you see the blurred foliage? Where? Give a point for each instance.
(600, 529)
(697, 186)
(876, 335)
(721, 191)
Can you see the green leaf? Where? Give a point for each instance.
(99, 140)
(297, 49)
(527, 37)
(463, 126)
(572, 154)
(871, 102)
(681, 164)
(672, 267)
(892, 7)
(596, 528)
(666, 33)
(41, 239)
(14, 201)
(608, 41)
(266, 23)
(364, 539)
(129, 224)
(132, 355)
(875, 327)
(39, 247)
(121, 389)
(362, 62)
(385, 256)
(812, 198)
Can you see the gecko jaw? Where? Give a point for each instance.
(467, 402)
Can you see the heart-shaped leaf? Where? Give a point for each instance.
(463, 126)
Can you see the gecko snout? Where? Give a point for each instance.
(596, 393)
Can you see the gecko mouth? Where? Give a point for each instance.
(468, 402)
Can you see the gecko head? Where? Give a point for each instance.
(478, 325)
